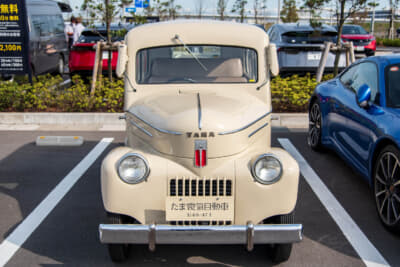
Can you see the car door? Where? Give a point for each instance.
(359, 132)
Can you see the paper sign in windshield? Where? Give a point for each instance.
(395, 68)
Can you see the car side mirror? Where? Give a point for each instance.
(272, 57)
(363, 95)
(122, 60)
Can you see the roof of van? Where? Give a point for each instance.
(198, 32)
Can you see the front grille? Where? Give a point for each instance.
(200, 187)
(357, 42)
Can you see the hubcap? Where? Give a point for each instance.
(314, 127)
(387, 189)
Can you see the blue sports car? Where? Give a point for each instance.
(357, 114)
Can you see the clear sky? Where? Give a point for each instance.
(192, 6)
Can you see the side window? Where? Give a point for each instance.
(57, 24)
(347, 78)
(41, 25)
(367, 73)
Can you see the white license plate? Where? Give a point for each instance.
(199, 208)
(105, 54)
(359, 48)
(314, 55)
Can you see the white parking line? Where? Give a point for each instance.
(15, 240)
(365, 249)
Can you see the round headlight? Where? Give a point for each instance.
(133, 168)
(267, 169)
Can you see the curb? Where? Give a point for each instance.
(31, 121)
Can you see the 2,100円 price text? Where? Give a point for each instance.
(10, 48)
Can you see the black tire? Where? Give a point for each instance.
(314, 127)
(117, 252)
(281, 252)
(387, 187)
(60, 65)
(370, 53)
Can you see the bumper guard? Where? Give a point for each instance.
(249, 234)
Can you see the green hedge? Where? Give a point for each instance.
(44, 95)
(289, 94)
(388, 42)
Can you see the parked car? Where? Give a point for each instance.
(357, 114)
(363, 41)
(300, 47)
(47, 43)
(197, 166)
(83, 54)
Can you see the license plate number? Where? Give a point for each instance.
(199, 208)
(314, 56)
(105, 55)
(359, 48)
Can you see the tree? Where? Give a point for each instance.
(200, 8)
(105, 11)
(240, 7)
(221, 8)
(351, 6)
(171, 9)
(313, 7)
(393, 6)
(159, 9)
(256, 7)
(289, 11)
(346, 9)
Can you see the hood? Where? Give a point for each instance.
(357, 36)
(174, 121)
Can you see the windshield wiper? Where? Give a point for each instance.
(190, 52)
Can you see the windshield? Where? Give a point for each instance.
(353, 30)
(393, 86)
(93, 36)
(196, 64)
(309, 37)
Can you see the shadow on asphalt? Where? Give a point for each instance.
(69, 235)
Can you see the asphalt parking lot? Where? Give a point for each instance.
(68, 235)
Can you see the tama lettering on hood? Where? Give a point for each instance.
(200, 134)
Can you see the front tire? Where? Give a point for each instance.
(60, 65)
(117, 252)
(387, 187)
(281, 252)
(315, 127)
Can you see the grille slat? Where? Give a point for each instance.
(200, 187)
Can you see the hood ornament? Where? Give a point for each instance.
(200, 153)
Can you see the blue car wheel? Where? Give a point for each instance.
(387, 187)
(314, 127)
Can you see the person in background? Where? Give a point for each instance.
(69, 32)
(78, 29)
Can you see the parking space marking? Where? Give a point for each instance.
(365, 249)
(15, 240)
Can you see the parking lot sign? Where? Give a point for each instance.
(142, 3)
(14, 37)
(130, 9)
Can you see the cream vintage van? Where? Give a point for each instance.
(198, 166)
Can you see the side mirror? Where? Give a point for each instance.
(363, 95)
(122, 60)
(272, 58)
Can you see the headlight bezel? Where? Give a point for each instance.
(258, 179)
(132, 154)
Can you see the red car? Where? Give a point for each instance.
(82, 54)
(363, 41)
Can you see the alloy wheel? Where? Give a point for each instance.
(314, 127)
(387, 188)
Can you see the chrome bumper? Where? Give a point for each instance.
(205, 235)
